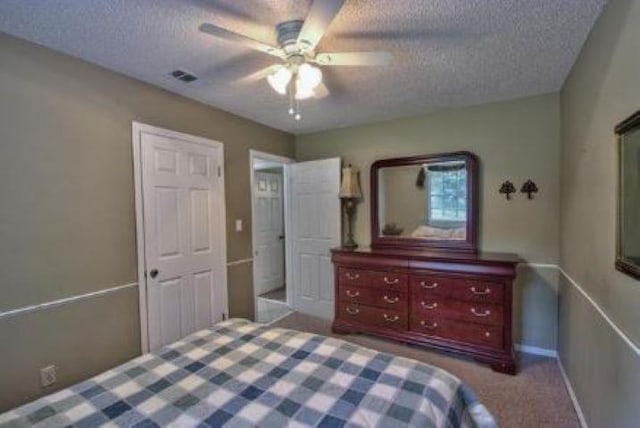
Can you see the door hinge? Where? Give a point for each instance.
(219, 172)
(145, 273)
(224, 316)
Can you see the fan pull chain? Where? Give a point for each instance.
(294, 103)
(291, 94)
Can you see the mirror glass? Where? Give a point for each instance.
(427, 201)
(628, 259)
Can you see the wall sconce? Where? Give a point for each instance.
(529, 187)
(350, 193)
(507, 188)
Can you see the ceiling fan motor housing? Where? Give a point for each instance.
(288, 32)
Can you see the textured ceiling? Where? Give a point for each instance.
(448, 53)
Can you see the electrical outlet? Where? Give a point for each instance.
(48, 375)
(239, 225)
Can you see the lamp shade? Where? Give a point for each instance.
(350, 183)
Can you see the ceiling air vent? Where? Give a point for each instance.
(183, 76)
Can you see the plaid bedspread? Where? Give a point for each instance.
(242, 374)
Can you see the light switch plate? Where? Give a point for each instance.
(239, 225)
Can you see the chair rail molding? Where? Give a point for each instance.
(64, 301)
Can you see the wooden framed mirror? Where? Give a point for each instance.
(628, 236)
(425, 202)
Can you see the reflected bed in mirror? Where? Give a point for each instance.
(628, 247)
(425, 201)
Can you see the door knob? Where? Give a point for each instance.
(281, 237)
(153, 273)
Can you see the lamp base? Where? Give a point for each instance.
(350, 209)
(350, 245)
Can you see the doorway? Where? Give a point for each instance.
(295, 223)
(268, 202)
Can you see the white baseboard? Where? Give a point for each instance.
(537, 351)
(572, 394)
(279, 318)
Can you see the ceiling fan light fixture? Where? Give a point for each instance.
(279, 80)
(303, 93)
(309, 77)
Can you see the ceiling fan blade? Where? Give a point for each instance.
(321, 91)
(258, 75)
(230, 36)
(354, 58)
(318, 20)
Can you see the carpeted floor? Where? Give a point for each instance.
(535, 397)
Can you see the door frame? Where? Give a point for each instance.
(219, 228)
(254, 155)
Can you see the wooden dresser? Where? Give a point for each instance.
(458, 302)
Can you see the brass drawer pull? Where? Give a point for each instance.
(429, 326)
(391, 319)
(353, 294)
(353, 311)
(480, 314)
(425, 285)
(487, 290)
(352, 276)
(391, 300)
(391, 281)
(428, 306)
(487, 334)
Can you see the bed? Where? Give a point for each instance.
(243, 374)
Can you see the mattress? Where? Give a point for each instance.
(243, 374)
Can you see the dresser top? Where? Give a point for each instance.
(433, 255)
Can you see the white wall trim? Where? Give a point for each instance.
(281, 317)
(239, 262)
(64, 301)
(598, 308)
(572, 395)
(540, 265)
(635, 347)
(535, 350)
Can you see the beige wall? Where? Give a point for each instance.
(514, 140)
(67, 222)
(602, 89)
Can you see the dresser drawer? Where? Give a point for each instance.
(384, 318)
(389, 281)
(373, 297)
(352, 294)
(353, 277)
(484, 335)
(458, 288)
(456, 310)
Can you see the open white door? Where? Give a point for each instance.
(181, 233)
(315, 228)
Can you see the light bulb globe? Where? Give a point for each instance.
(309, 77)
(279, 80)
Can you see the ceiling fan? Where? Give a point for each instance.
(297, 74)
